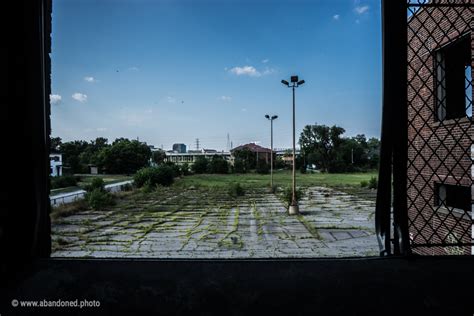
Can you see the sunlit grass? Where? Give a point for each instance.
(280, 178)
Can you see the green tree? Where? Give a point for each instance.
(158, 156)
(373, 145)
(324, 143)
(200, 165)
(90, 155)
(218, 165)
(248, 158)
(124, 156)
(71, 155)
(239, 166)
(55, 144)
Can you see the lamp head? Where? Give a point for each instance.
(300, 82)
(267, 116)
(274, 117)
(285, 82)
(294, 79)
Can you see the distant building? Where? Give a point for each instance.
(191, 156)
(262, 153)
(56, 165)
(93, 169)
(286, 154)
(179, 148)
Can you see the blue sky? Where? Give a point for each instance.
(171, 71)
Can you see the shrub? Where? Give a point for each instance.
(235, 189)
(200, 165)
(280, 164)
(303, 168)
(364, 183)
(373, 183)
(96, 183)
(175, 168)
(162, 174)
(99, 199)
(126, 187)
(288, 195)
(63, 182)
(185, 169)
(239, 166)
(263, 167)
(218, 165)
(273, 189)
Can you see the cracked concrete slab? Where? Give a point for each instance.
(193, 224)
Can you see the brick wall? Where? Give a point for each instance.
(437, 151)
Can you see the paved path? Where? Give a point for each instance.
(331, 224)
(64, 198)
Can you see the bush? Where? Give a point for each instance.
(63, 182)
(152, 176)
(288, 195)
(280, 164)
(218, 165)
(303, 168)
(126, 187)
(175, 168)
(98, 199)
(373, 183)
(96, 183)
(235, 189)
(364, 183)
(263, 167)
(239, 166)
(200, 165)
(185, 169)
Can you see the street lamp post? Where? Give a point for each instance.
(271, 118)
(295, 83)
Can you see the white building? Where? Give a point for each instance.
(190, 157)
(56, 165)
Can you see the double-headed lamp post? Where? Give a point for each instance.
(295, 83)
(271, 118)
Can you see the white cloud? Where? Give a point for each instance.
(79, 97)
(171, 99)
(269, 71)
(101, 129)
(134, 68)
(55, 98)
(246, 71)
(265, 61)
(225, 98)
(361, 9)
(90, 79)
(336, 17)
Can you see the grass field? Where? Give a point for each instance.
(280, 178)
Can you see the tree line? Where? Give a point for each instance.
(321, 145)
(326, 147)
(122, 156)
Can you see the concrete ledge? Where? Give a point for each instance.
(381, 286)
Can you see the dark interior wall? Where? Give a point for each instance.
(24, 220)
(421, 286)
